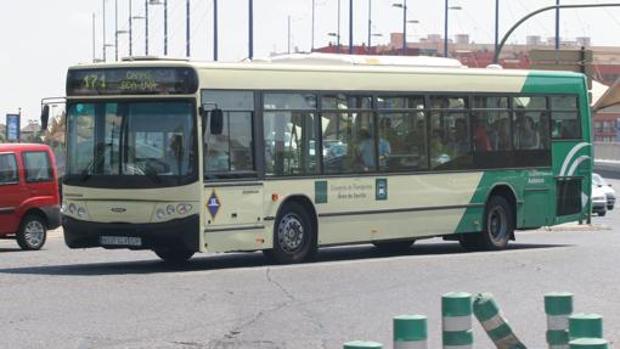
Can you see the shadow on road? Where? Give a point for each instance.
(250, 260)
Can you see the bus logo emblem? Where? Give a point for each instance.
(213, 204)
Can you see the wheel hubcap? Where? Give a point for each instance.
(496, 224)
(290, 233)
(34, 233)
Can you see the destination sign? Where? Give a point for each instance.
(131, 81)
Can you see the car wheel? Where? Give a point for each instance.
(294, 236)
(602, 213)
(498, 227)
(394, 246)
(32, 233)
(174, 255)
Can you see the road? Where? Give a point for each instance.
(61, 298)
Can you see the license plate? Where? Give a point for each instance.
(121, 241)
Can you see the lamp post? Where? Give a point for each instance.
(165, 27)
(557, 25)
(104, 45)
(445, 39)
(215, 35)
(312, 35)
(338, 36)
(369, 22)
(404, 7)
(187, 28)
(496, 24)
(251, 29)
(350, 27)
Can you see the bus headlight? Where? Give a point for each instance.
(72, 208)
(161, 214)
(81, 212)
(184, 208)
(170, 211)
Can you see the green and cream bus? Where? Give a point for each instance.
(288, 156)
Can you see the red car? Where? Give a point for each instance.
(29, 198)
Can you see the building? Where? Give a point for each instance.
(30, 132)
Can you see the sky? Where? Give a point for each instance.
(39, 40)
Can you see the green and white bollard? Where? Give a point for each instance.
(585, 326)
(410, 332)
(456, 313)
(487, 312)
(362, 345)
(589, 343)
(558, 307)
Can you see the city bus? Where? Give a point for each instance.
(285, 157)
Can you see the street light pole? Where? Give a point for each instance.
(445, 31)
(369, 22)
(215, 30)
(130, 30)
(404, 27)
(338, 35)
(557, 25)
(165, 27)
(312, 36)
(288, 35)
(251, 29)
(187, 28)
(350, 27)
(103, 31)
(116, 30)
(496, 24)
(146, 27)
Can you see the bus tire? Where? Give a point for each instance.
(294, 236)
(393, 246)
(498, 227)
(32, 233)
(174, 255)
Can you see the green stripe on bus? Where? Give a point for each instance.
(543, 82)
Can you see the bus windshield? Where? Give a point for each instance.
(145, 144)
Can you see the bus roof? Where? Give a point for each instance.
(364, 73)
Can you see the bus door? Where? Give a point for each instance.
(233, 195)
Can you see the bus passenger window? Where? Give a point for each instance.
(402, 141)
(450, 145)
(348, 142)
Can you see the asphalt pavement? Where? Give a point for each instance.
(95, 298)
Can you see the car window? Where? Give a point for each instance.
(8, 169)
(37, 166)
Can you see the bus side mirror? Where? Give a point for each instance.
(217, 121)
(45, 116)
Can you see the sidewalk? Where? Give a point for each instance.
(575, 226)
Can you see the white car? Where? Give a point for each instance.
(599, 201)
(610, 193)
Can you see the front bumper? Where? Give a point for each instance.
(177, 234)
(599, 206)
(611, 201)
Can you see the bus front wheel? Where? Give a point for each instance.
(174, 256)
(294, 236)
(498, 227)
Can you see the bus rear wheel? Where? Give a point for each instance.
(294, 236)
(174, 255)
(498, 228)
